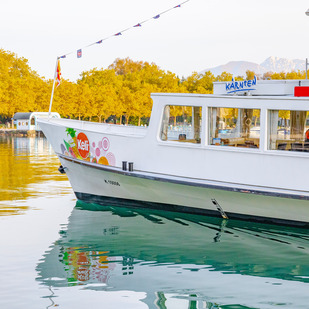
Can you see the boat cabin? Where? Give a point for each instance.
(261, 115)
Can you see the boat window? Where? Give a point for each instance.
(181, 124)
(235, 127)
(288, 130)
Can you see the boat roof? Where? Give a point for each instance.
(220, 96)
(255, 88)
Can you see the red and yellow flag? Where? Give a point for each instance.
(58, 76)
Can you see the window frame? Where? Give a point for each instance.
(179, 142)
(210, 127)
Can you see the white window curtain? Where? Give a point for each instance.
(273, 127)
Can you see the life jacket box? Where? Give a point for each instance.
(301, 91)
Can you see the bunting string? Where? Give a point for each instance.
(157, 16)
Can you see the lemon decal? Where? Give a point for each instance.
(103, 161)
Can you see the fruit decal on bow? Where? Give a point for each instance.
(80, 147)
(72, 145)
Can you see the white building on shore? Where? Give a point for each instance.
(28, 121)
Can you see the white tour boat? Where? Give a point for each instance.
(239, 153)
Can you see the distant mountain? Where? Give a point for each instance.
(271, 64)
(275, 64)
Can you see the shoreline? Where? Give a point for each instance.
(21, 133)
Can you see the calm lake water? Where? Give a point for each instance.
(57, 252)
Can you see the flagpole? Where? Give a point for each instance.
(52, 94)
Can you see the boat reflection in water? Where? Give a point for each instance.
(177, 258)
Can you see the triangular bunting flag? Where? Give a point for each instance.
(79, 53)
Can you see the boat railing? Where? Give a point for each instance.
(127, 130)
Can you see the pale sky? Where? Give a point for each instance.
(199, 35)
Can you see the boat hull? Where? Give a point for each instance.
(109, 186)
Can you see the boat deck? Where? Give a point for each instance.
(100, 127)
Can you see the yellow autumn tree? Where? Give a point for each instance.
(21, 88)
(124, 88)
(224, 77)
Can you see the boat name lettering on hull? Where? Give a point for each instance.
(111, 182)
